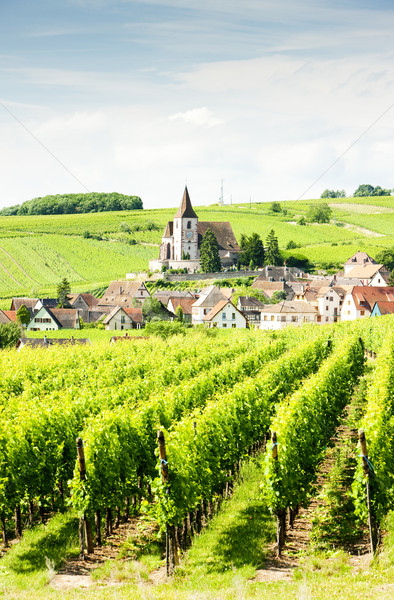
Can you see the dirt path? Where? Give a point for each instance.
(298, 538)
(76, 573)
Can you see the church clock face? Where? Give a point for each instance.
(189, 235)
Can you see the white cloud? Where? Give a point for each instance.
(199, 117)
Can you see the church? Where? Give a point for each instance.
(180, 246)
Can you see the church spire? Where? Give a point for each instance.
(185, 211)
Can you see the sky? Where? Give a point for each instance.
(279, 99)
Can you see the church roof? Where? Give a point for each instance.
(185, 211)
(223, 233)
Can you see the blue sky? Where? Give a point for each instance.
(141, 97)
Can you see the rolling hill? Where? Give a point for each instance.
(91, 249)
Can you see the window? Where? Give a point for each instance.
(362, 312)
(348, 312)
(265, 317)
(326, 307)
(224, 325)
(189, 225)
(331, 298)
(223, 316)
(272, 317)
(233, 325)
(122, 319)
(349, 302)
(233, 316)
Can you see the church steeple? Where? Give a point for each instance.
(185, 211)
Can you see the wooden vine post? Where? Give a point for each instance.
(85, 526)
(368, 472)
(171, 551)
(281, 514)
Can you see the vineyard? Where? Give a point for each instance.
(92, 249)
(79, 428)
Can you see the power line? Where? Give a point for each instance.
(43, 145)
(347, 150)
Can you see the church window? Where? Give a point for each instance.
(189, 225)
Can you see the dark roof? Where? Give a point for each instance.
(28, 302)
(185, 211)
(46, 342)
(120, 293)
(49, 302)
(66, 317)
(250, 301)
(223, 233)
(169, 230)
(278, 273)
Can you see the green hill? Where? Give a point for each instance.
(92, 249)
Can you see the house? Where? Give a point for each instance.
(270, 287)
(51, 319)
(278, 316)
(382, 308)
(47, 343)
(16, 303)
(185, 304)
(47, 302)
(86, 305)
(359, 259)
(224, 315)
(181, 240)
(251, 307)
(370, 274)
(209, 297)
(123, 317)
(122, 293)
(164, 295)
(8, 316)
(329, 304)
(273, 273)
(359, 302)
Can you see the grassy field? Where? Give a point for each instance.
(92, 249)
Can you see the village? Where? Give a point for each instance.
(280, 296)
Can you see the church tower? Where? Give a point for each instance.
(185, 230)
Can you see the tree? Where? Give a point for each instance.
(63, 290)
(278, 296)
(9, 334)
(333, 194)
(301, 221)
(252, 250)
(272, 252)
(209, 253)
(179, 313)
(23, 315)
(390, 280)
(386, 258)
(275, 207)
(153, 309)
(368, 190)
(291, 245)
(319, 213)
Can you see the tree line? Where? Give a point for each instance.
(363, 190)
(74, 203)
